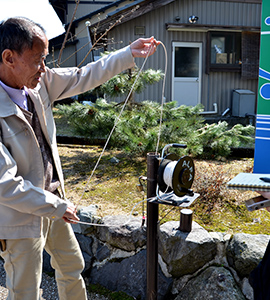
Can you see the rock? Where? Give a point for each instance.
(185, 253)
(128, 275)
(114, 160)
(222, 241)
(195, 265)
(89, 215)
(245, 251)
(103, 252)
(86, 247)
(247, 289)
(85, 243)
(122, 232)
(215, 283)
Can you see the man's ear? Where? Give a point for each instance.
(8, 58)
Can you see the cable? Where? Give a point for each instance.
(162, 95)
(116, 122)
(103, 225)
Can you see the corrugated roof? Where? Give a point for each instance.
(103, 9)
(125, 7)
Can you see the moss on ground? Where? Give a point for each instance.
(113, 187)
(96, 288)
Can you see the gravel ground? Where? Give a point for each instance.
(48, 287)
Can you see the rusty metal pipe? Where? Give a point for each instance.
(152, 224)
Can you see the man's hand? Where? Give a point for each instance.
(141, 47)
(70, 214)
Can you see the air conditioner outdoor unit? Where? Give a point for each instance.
(243, 103)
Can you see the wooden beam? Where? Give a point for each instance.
(206, 27)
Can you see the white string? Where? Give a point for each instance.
(162, 96)
(111, 225)
(168, 173)
(116, 122)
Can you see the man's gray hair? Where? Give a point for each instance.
(17, 34)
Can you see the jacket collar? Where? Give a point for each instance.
(8, 107)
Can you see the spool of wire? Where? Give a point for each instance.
(176, 175)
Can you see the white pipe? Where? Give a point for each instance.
(88, 24)
(211, 112)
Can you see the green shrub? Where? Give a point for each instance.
(138, 127)
(122, 83)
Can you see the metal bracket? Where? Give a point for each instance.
(172, 199)
(257, 203)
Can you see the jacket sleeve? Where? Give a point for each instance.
(21, 195)
(62, 83)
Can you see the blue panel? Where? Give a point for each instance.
(262, 145)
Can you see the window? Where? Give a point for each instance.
(224, 51)
(186, 62)
(139, 30)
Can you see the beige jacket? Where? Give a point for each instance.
(23, 201)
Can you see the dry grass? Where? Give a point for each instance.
(113, 188)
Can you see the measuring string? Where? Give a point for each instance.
(115, 124)
(168, 173)
(111, 225)
(162, 95)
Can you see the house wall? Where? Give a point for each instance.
(68, 57)
(217, 87)
(73, 54)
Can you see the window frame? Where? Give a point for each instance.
(222, 67)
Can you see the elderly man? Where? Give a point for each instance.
(34, 213)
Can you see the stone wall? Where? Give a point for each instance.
(195, 265)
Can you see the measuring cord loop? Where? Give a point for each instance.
(115, 124)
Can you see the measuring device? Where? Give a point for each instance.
(175, 177)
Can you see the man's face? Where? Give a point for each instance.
(29, 65)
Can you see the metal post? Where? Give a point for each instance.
(152, 222)
(186, 220)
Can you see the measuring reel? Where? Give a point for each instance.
(175, 177)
